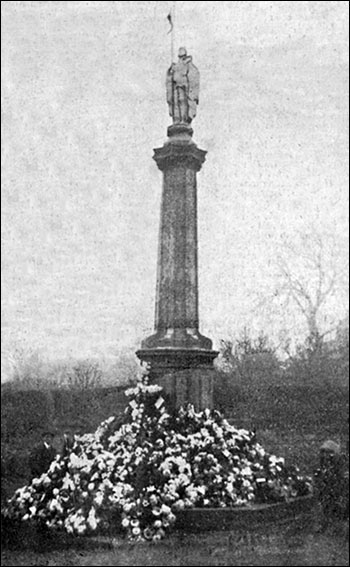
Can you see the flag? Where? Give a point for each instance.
(170, 20)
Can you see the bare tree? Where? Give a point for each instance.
(310, 276)
(85, 375)
(305, 291)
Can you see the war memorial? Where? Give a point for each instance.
(172, 461)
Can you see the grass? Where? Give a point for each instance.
(284, 546)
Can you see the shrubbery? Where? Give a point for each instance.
(315, 362)
(31, 372)
(260, 387)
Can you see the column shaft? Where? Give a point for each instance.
(177, 343)
(177, 278)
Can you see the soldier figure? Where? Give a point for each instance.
(182, 87)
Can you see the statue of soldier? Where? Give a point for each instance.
(182, 89)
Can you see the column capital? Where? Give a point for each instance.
(177, 153)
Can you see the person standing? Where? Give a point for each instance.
(332, 484)
(68, 442)
(42, 455)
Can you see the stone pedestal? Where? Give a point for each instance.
(191, 386)
(177, 343)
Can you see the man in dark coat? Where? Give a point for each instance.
(332, 484)
(42, 455)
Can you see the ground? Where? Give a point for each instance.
(287, 546)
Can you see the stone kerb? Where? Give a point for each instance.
(248, 518)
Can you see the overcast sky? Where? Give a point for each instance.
(83, 102)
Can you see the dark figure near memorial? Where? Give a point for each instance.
(68, 442)
(332, 484)
(42, 455)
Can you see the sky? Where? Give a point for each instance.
(83, 106)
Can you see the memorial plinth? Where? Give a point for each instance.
(177, 343)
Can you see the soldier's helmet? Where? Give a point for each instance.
(182, 52)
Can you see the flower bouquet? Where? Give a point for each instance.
(136, 475)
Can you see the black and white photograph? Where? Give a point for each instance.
(175, 283)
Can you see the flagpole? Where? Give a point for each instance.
(173, 31)
(171, 18)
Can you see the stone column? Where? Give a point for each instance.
(177, 344)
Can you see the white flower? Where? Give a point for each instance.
(55, 465)
(128, 506)
(69, 528)
(219, 432)
(171, 518)
(74, 460)
(91, 520)
(131, 392)
(160, 533)
(165, 509)
(183, 479)
(157, 524)
(54, 505)
(260, 450)
(153, 500)
(153, 389)
(134, 523)
(170, 497)
(81, 529)
(179, 505)
(246, 471)
(98, 498)
(125, 522)
(148, 533)
(68, 483)
(109, 420)
(46, 480)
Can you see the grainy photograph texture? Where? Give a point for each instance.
(175, 320)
